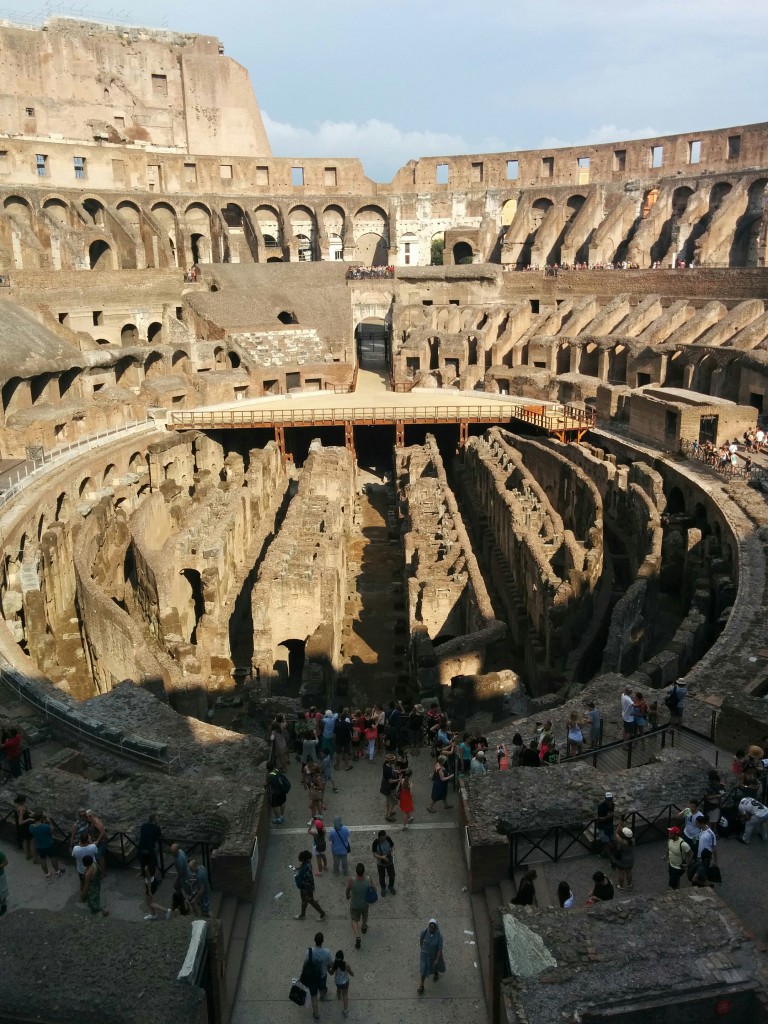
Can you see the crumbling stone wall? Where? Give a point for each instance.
(446, 595)
(300, 592)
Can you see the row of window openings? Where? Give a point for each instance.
(656, 159)
(41, 164)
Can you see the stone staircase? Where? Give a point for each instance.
(234, 916)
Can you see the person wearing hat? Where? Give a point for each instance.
(678, 855)
(604, 827)
(624, 856)
(430, 954)
(675, 701)
(477, 765)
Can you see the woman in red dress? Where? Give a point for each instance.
(406, 798)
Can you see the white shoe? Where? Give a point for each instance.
(151, 917)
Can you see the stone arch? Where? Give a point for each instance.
(704, 373)
(219, 356)
(269, 220)
(41, 525)
(100, 255)
(334, 224)
(129, 335)
(508, 211)
(675, 502)
(233, 215)
(12, 395)
(84, 486)
(563, 364)
(67, 379)
(371, 232)
(94, 208)
(38, 387)
(129, 211)
(680, 198)
(168, 221)
(137, 463)
(233, 360)
(589, 360)
(18, 207)
(155, 333)
(746, 237)
(63, 503)
(617, 364)
(197, 220)
(303, 226)
(110, 475)
(463, 253)
(180, 361)
(574, 203)
(153, 365)
(717, 194)
(58, 210)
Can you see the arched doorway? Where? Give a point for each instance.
(463, 253)
(100, 255)
(372, 338)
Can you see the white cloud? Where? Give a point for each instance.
(382, 146)
(596, 136)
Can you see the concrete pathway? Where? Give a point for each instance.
(430, 882)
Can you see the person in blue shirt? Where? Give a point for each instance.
(42, 836)
(328, 723)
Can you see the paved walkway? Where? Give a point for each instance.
(431, 875)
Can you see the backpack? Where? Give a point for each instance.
(284, 782)
(299, 878)
(310, 973)
(672, 700)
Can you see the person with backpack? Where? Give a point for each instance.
(305, 883)
(357, 892)
(310, 976)
(342, 972)
(340, 848)
(323, 958)
(278, 785)
(675, 701)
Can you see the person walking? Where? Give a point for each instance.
(342, 972)
(201, 889)
(624, 857)
(440, 780)
(278, 739)
(357, 894)
(389, 785)
(343, 738)
(319, 844)
(275, 785)
(99, 835)
(383, 849)
(323, 958)
(23, 820)
(431, 960)
(675, 701)
(371, 734)
(151, 885)
(311, 973)
(42, 836)
(180, 862)
(340, 848)
(405, 796)
(305, 883)
(148, 842)
(678, 856)
(91, 887)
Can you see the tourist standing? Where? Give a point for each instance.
(99, 835)
(678, 856)
(383, 850)
(342, 972)
(328, 723)
(593, 718)
(200, 897)
(575, 735)
(707, 838)
(627, 713)
(343, 736)
(405, 796)
(440, 780)
(604, 827)
(357, 894)
(415, 728)
(388, 787)
(477, 765)
(23, 820)
(91, 887)
(675, 701)
(11, 748)
(180, 862)
(84, 848)
(42, 836)
(148, 842)
(151, 885)
(624, 857)
(278, 740)
(340, 848)
(431, 960)
(526, 890)
(305, 883)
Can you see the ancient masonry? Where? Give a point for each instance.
(530, 411)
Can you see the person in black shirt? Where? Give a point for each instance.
(526, 890)
(605, 828)
(602, 888)
(343, 736)
(530, 756)
(148, 842)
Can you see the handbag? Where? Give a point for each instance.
(298, 994)
(371, 896)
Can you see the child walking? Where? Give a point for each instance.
(342, 972)
(317, 831)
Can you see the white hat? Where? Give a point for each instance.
(627, 832)
(609, 796)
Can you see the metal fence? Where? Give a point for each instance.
(693, 450)
(34, 468)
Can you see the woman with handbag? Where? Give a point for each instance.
(431, 954)
(440, 780)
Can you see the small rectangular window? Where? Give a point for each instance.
(153, 177)
(79, 164)
(330, 177)
(29, 111)
(547, 166)
(160, 85)
(441, 174)
(41, 163)
(694, 152)
(297, 177)
(477, 173)
(454, 302)
(670, 423)
(734, 147)
(119, 120)
(657, 156)
(225, 170)
(190, 174)
(534, 305)
(513, 170)
(262, 175)
(619, 159)
(584, 163)
(4, 168)
(98, 318)
(64, 319)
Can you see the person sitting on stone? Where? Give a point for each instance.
(602, 888)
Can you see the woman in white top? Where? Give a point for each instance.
(564, 895)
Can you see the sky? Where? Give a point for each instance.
(394, 80)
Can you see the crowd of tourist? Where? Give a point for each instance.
(553, 269)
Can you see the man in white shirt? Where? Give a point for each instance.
(627, 717)
(84, 848)
(477, 765)
(756, 816)
(707, 838)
